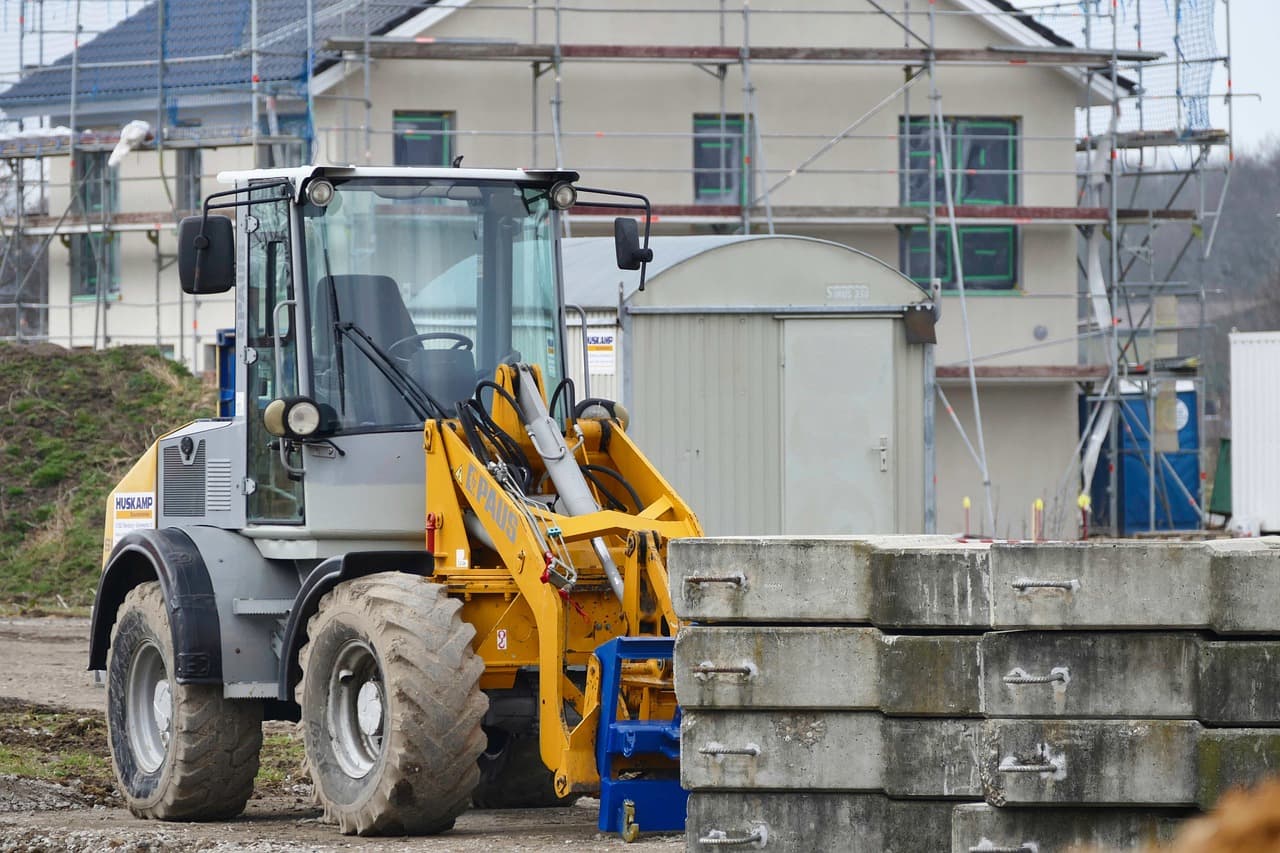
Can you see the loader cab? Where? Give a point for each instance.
(354, 283)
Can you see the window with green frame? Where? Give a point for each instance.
(423, 137)
(95, 261)
(719, 159)
(984, 162)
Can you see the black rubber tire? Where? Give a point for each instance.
(514, 777)
(424, 769)
(211, 757)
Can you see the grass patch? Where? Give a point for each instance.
(55, 745)
(281, 763)
(74, 423)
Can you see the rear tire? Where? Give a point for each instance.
(391, 706)
(179, 751)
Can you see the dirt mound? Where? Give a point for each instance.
(71, 424)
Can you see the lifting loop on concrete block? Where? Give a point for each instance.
(738, 579)
(720, 749)
(707, 668)
(1023, 584)
(1057, 674)
(1029, 768)
(719, 838)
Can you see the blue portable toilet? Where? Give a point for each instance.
(1178, 472)
(226, 373)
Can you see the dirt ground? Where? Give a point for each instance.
(42, 662)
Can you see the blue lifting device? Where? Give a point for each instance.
(655, 803)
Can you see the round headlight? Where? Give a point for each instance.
(320, 193)
(563, 195)
(303, 418)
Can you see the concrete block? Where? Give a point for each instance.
(1246, 597)
(829, 667)
(930, 587)
(1235, 758)
(809, 750)
(778, 667)
(830, 750)
(930, 676)
(804, 822)
(1091, 762)
(980, 827)
(777, 579)
(1100, 585)
(1077, 675)
(933, 758)
(1239, 682)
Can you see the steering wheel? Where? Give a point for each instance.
(461, 342)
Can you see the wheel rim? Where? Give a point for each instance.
(149, 708)
(357, 709)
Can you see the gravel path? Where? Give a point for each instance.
(43, 661)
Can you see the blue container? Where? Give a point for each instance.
(1173, 510)
(226, 373)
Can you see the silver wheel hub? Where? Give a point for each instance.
(149, 708)
(356, 709)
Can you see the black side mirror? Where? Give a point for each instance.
(206, 254)
(626, 243)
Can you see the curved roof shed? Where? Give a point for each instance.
(776, 381)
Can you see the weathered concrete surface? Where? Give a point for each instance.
(936, 582)
(1235, 758)
(1092, 762)
(778, 579)
(933, 758)
(1245, 595)
(830, 750)
(930, 676)
(1072, 674)
(831, 667)
(1100, 585)
(1239, 682)
(978, 826)
(798, 750)
(778, 667)
(803, 823)
(930, 587)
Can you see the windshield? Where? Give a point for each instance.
(447, 278)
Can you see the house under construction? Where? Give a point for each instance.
(1029, 163)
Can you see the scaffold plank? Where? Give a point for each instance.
(387, 47)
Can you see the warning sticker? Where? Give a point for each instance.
(502, 639)
(601, 351)
(131, 511)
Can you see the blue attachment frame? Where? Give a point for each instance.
(659, 804)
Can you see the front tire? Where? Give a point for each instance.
(391, 706)
(179, 751)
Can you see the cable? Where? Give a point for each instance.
(590, 470)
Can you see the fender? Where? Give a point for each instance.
(324, 577)
(169, 556)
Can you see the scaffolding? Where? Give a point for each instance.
(1145, 69)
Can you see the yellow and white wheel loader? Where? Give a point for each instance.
(410, 535)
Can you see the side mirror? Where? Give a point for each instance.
(626, 243)
(206, 254)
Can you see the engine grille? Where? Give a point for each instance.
(184, 485)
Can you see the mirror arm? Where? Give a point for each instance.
(201, 241)
(643, 204)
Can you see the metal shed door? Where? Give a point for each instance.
(839, 419)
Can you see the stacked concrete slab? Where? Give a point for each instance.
(922, 694)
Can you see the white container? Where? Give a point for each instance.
(1255, 428)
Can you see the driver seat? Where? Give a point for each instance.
(374, 303)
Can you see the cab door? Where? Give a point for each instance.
(274, 493)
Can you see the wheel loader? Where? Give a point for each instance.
(411, 536)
